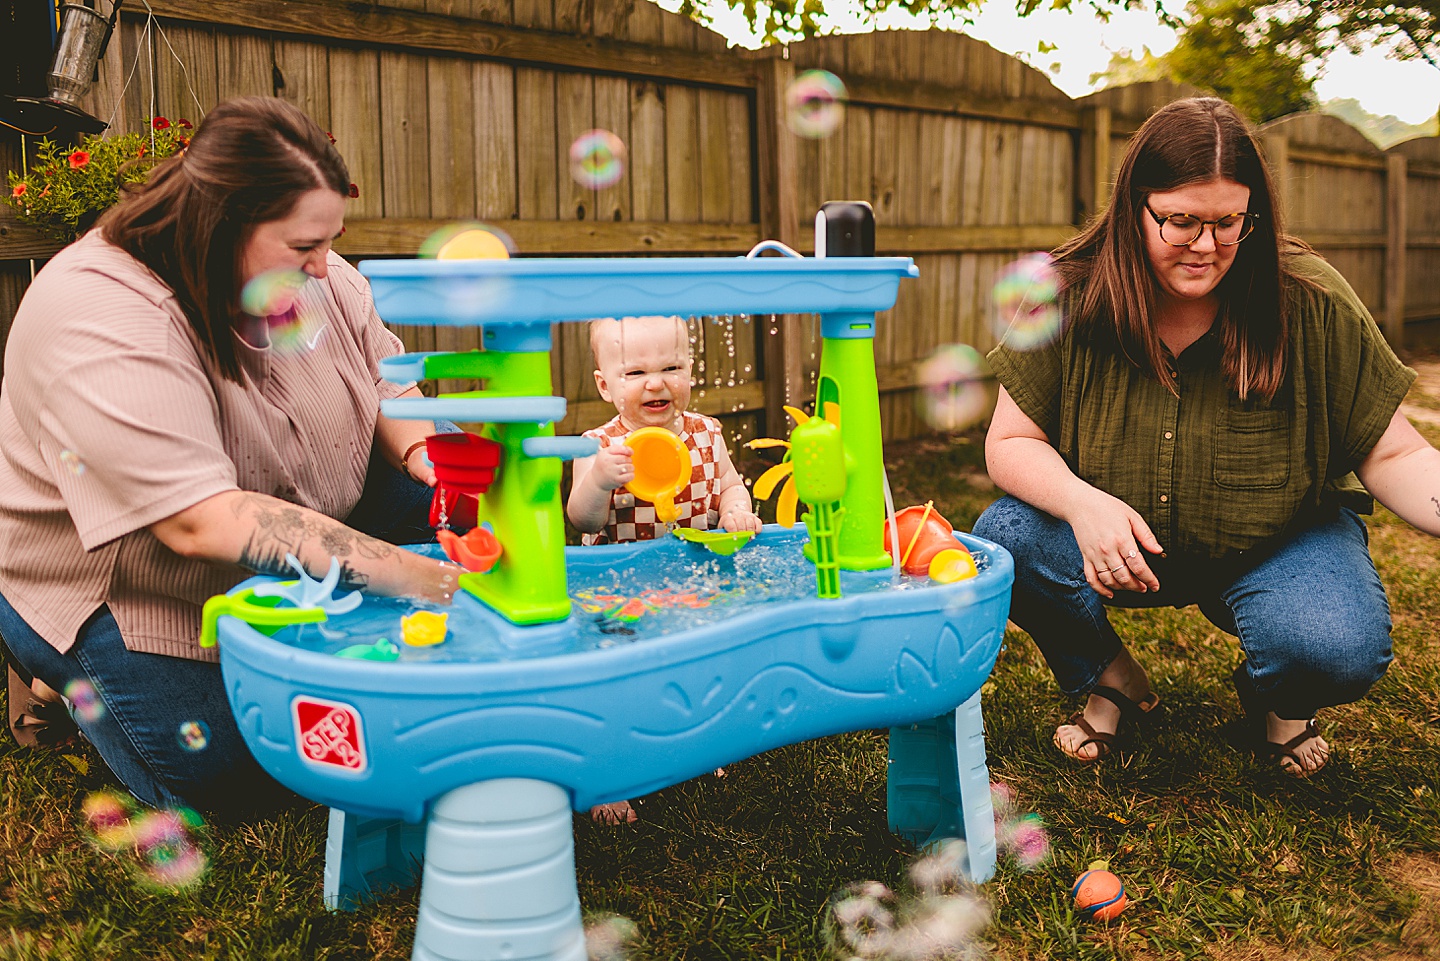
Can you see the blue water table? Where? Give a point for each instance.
(568, 677)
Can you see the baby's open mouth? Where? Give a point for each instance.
(656, 404)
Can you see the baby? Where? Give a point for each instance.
(643, 368)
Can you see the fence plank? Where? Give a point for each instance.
(186, 72)
(305, 68)
(647, 150)
(496, 167)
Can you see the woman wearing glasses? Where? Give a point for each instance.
(1194, 437)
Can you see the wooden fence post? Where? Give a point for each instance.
(1277, 152)
(1100, 158)
(779, 188)
(1396, 173)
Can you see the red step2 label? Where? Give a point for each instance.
(329, 734)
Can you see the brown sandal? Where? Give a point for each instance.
(37, 715)
(1105, 742)
(1285, 751)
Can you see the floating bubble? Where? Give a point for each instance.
(104, 810)
(273, 293)
(292, 322)
(597, 159)
(1025, 310)
(864, 918)
(176, 869)
(72, 462)
(84, 700)
(468, 241)
(194, 735)
(611, 938)
(942, 870)
(1022, 837)
(956, 388)
(814, 104)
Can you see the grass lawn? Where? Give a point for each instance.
(1223, 857)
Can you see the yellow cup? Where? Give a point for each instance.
(662, 469)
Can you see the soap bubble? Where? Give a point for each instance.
(171, 860)
(72, 462)
(1025, 313)
(84, 700)
(942, 919)
(597, 159)
(611, 938)
(107, 816)
(814, 104)
(280, 298)
(194, 735)
(1022, 837)
(468, 241)
(273, 293)
(956, 388)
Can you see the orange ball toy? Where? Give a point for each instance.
(1099, 895)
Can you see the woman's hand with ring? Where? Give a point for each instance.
(1111, 535)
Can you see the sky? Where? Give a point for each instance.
(1408, 90)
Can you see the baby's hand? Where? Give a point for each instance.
(733, 521)
(614, 467)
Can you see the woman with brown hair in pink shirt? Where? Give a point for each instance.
(158, 444)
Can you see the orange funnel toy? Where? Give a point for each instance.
(923, 534)
(662, 469)
(476, 550)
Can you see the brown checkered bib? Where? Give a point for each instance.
(633, 518)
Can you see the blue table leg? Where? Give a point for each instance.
(939, 786)
(365, 856)
(499, 878)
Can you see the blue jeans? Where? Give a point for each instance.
(147, 697)
(1311, 617)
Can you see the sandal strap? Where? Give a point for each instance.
(1288, 748)
(1129, 710)
(1104, 741)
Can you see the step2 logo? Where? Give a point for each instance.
(329, 734)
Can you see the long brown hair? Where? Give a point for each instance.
(249, 163)
(1186, 142)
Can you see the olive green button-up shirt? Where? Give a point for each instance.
(1212, 475)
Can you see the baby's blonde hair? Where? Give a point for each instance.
(598, 326)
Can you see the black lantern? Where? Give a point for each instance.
(84, 35)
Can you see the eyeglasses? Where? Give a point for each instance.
(1182, 230)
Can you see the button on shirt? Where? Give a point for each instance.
(1213, 475)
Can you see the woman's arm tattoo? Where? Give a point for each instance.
(282, 529)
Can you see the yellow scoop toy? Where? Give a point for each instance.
(662, 469)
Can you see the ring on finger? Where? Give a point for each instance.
(1132, 555)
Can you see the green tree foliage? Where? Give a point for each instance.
(792, 19)
(1224, 46)
(1306, 30)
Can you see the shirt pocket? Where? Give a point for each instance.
(1252, 449)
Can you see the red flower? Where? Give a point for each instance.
(330, 135)
(141, 151)
(184, 124)
(183, 142)
(19, 190)
(354, 191)
(79, 159)
(159, 123)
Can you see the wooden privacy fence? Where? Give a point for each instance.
(450, 110)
